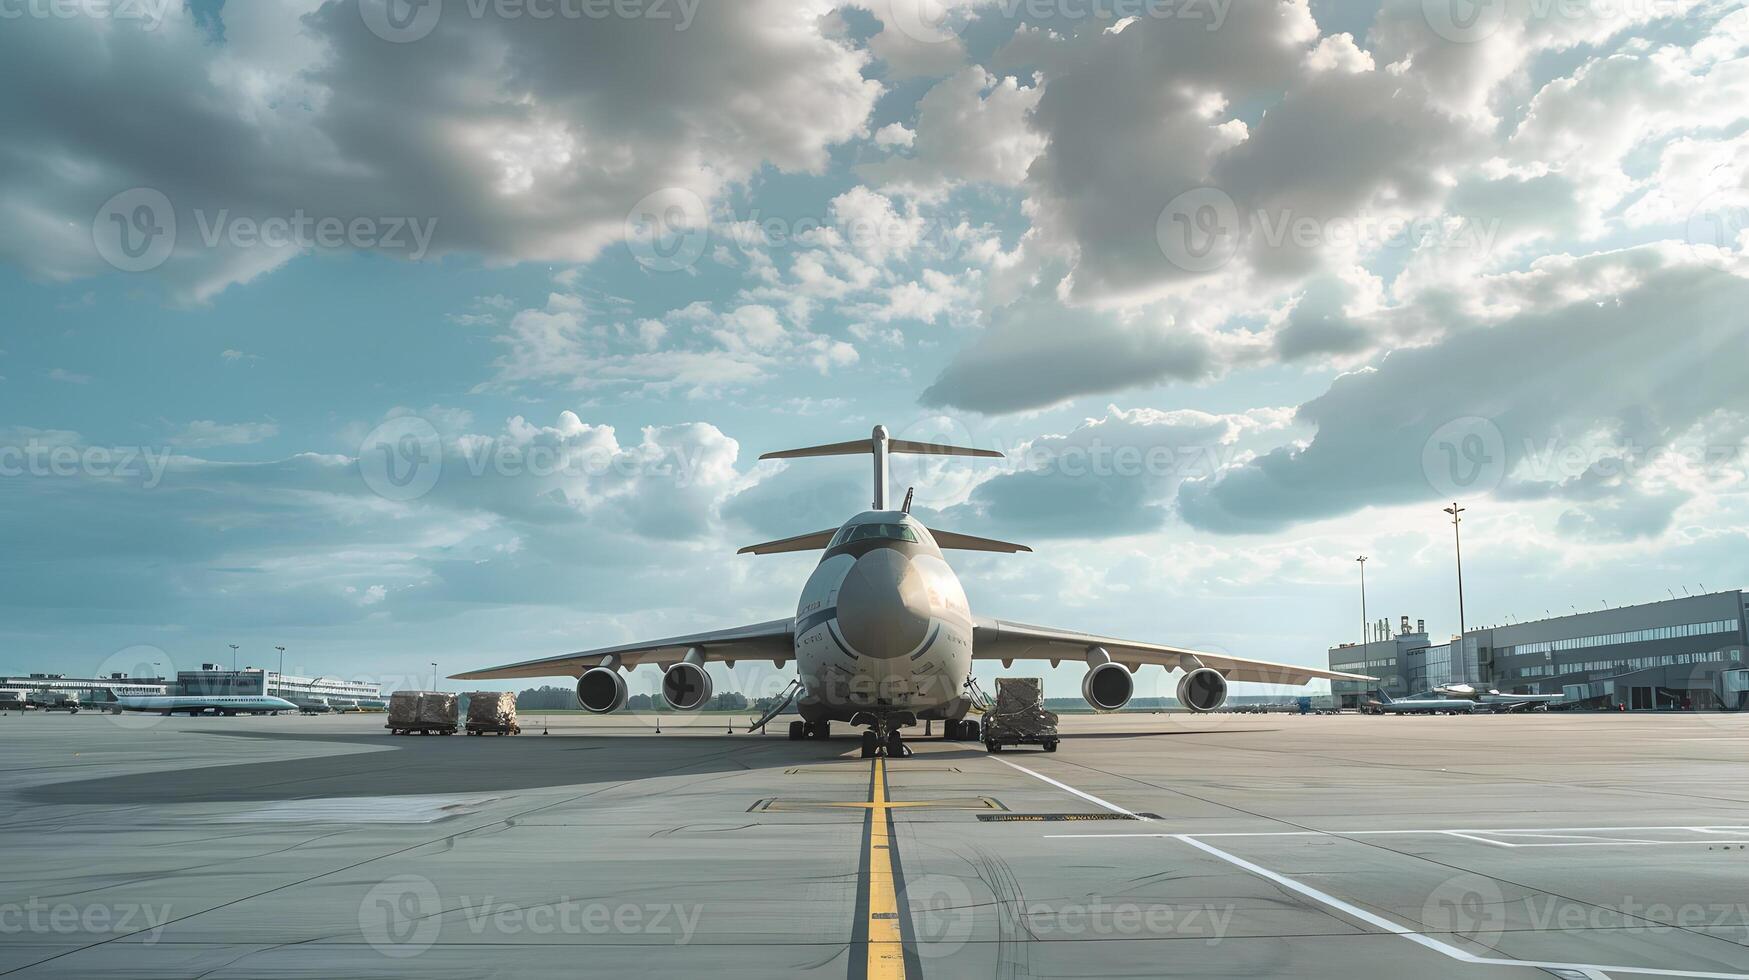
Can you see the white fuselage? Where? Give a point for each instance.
(883, 627)
(222, 704)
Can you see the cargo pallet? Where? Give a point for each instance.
(482, 728)
(423, 730)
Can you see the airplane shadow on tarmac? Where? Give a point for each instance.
(443, 765)
(458, 764)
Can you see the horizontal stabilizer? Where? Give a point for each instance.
(950, 541)
(860, 446)
(937, 449)
(802, 542)
(851, 448)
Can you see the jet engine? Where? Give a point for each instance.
(1202, 689)
(601, 689)
(1108, 686)
(686, 686)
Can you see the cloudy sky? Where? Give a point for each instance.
(397, 332)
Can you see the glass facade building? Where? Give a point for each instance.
(1669, 654)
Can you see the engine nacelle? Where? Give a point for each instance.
(601, 690)
(686, 686)
(1108, 686)
(1202, 689)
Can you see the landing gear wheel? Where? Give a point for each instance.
(822, 730)
(798, 730)
(896, 748)
(870, 744)
(969, 730)
(1051, 746)
(950, 731)
(994, 747)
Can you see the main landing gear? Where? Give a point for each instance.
(799, 730)
(960, 731)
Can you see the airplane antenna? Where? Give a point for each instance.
(910, 492)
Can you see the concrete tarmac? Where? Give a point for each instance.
(1568, 845)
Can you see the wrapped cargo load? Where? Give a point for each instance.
(422, 711)
(1019, 717)
(403, 710)
(492, 711)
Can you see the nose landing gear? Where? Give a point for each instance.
(884, 738)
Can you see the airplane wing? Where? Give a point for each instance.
(999, 639)
(773, 641)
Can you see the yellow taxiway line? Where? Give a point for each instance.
(886, 946)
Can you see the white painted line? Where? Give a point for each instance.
(1480, 840)
(1470, 833)
(1446, 949)
(1089, 797)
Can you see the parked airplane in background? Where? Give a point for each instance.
(1496, 701)
(1384, 704)
(312, 706)
(224, 704)
(883, 636)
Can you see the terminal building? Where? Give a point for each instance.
(1677, 653)
(211, 679)
(49, 688)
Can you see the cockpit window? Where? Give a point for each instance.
(876, 532)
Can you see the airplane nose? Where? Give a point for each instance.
(883, 605)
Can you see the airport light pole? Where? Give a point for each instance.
(281, 675)
(434, 675)
(1365, 623)
(1457, 540)
(233, 662)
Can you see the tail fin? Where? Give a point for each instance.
(880, 444)
(1381, 697)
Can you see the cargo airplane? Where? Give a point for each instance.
(883, 637)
